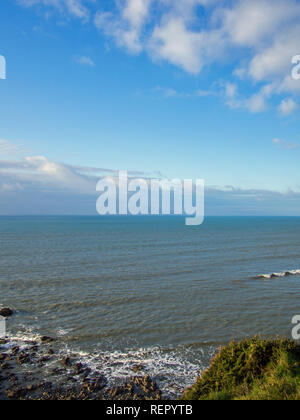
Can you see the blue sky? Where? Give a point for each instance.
(175, 88)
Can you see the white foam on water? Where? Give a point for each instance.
(173, 370)
(280, 274)
(21, 338)
(61, 332)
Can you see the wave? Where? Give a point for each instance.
(280, 274)
(174, 369)
(171, 369)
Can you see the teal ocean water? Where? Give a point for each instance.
(149, 290)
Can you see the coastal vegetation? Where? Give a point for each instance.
(253, 369)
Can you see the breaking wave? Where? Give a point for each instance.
(173, 369)
(280, 274)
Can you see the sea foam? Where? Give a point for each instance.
(280, 274)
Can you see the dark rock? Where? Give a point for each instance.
(15, 393)
(58, 371)
(3, 356)
(15, 350)
(11, 394)
(66, 361)
(13, 379)
(5, 366)
(44, 359)
(71, 379)
(6, 312)
(138, 388)
(23, 358)
(94, 385)
(46, 340)
(27, 376)
(86, 372)
(50, 352)
(137, 368)
(78, 369)
(114, 392)
(34, 348)
(45, 386)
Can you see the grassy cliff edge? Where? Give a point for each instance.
(253, 369)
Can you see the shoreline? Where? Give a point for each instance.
(33, 366)
(22, 376)
(252, 369)
(39, 367)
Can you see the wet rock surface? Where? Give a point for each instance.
(137, 388)
(6, 312)
(34, 371)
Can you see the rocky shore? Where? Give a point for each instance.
(35, 371)
(40, 368)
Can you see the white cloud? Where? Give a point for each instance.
(254, 23)
(37, 185)
(204, 93)
(173, 42)
(274, 61)
(75, 8)
(85, 61)
(173, 93)
(287, 106)
(167, 92)
(192, 34)
(7, 148)
(46, 174)
(284, 144)
(256, 103)
(230, 90)
(126, 27)
(268, 31)
(39, 174)
(135, 12)
(181, 35)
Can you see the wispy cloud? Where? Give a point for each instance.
(193, 34)
(8, 148)
(284, 144)
(126, 24)
(168, 92)
(267, 29)
(287, 106)
(42, 174)
(37, 185)
(74, 8)
(85, 61)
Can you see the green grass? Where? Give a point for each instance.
(253, 369)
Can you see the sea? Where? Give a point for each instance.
(123, 291)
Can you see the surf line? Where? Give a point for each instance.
(281, 274)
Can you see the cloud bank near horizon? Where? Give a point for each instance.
(37, 185)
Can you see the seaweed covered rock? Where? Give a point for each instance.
(253, 369)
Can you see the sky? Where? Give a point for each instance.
(160, 88)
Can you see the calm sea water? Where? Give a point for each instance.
(149, 289)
